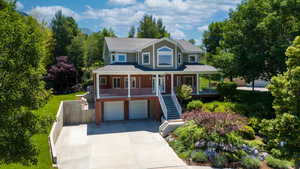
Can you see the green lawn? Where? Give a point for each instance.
(41, 139)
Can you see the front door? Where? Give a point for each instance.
(161, 83)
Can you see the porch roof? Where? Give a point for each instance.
(136, 69)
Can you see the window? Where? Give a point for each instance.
(192, 59)
(165, 57)
(116, 82)
(133, 82)
(118, 58)
(179, 58)
(103, 81)
(146, 58)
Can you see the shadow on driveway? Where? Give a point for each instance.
(123, 126)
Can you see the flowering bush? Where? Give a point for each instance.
(221, 123)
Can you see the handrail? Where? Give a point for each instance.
(176, 102)
(162, 104)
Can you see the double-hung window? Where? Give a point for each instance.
(118, 58)
(192, 59)
(116, 82)
(103, 81)
(146, 58)
(165, 57)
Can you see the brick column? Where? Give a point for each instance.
(98, 112)
(126, 109)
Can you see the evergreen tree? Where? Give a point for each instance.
(149, 28)
(131, 33)
(64, 29)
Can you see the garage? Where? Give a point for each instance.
(113, 111)
(138, 109)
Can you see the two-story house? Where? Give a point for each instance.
(140, 76)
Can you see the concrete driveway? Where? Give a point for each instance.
(115, 145)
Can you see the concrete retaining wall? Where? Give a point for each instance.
(69, 112)
(73, 113)
(54, 133)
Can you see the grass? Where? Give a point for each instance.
(41, 139)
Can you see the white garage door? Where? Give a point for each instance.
(113, 111)
(138, 109)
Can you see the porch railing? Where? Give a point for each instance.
(124, 92)
(163, 105)
(176, 102)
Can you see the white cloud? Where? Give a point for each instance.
(19, 5)
(46, 13)
(122, 2)
(202, 28)
(177, 34)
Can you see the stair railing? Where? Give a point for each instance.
(163, 104)
(176, 102)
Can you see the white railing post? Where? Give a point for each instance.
(163, 105)
(156, 86)
(172, 84)
(197, 83)
(97, 86)
(128, 83)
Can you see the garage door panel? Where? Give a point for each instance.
(138, 109)
(113, 111)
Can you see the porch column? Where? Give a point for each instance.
(97, 86)
(156, 82)
(128, 81)
(172, 84)
(197, 83)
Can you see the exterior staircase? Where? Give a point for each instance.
(171, 108)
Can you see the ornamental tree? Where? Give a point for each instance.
(62, 75)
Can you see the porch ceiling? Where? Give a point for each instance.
(136, 69)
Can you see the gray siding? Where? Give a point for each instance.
(150, 50)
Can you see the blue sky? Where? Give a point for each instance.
(184, 19)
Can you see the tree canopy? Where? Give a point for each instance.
(23, 51)
(131, 33)
(150, 28)
(256, 34)
(64, 30)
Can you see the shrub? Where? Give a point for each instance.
(258, 144)
(185, 155)
(195, 104)
(199, 156)
(254, 123)
(227, 90)
(247, 132)
(250, 163)
(221, 123)
(219, 161)
(189, 133)
(218, 106)
(277, 164)
(184, 92)
(177, 146)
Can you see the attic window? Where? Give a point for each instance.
(164, 57)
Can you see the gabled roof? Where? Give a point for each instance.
(137, 44)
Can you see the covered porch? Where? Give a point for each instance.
(110, 84)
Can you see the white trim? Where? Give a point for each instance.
(196, 60)
(117, 58)
(197, 83)
(129, 84)
(153, 56)
(153, 72)
(112, 85)
(156, 86)
(176, 57)
(146, 53)
(159, 40)
(172, 83)
(165, 53)
(97, 86)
